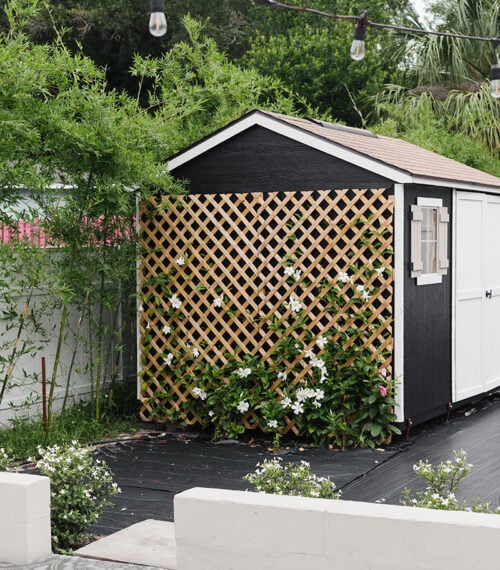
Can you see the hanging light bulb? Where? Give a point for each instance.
(495, 80)
(358, 49)
(358, 44)
(157, 20)
(495, 70)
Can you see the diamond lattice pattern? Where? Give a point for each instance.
(235, 248)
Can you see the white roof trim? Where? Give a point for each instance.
(296, 133)
(331, 148)
(455, 184)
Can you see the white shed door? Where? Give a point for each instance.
(477, 314)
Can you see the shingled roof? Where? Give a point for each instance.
(397, 159)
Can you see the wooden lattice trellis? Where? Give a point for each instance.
(235, 247)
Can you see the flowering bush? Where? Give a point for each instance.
(331, 386)
(4, 459)
(442, 481)
(291, 479)
(80, 487)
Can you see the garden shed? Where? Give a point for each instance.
(278, 206)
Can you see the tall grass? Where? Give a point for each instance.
(22, 436)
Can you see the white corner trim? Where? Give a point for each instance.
(399, 312)
(138, 303)
(454, 298)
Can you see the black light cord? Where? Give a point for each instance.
(373, 24)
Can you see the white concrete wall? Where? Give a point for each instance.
(23, 396)
(222, 530)
(24, 518)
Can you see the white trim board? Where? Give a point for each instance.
(295, 133)
(331, 148)
(398, 296)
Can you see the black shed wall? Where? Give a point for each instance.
(427, 327)
(259, 160)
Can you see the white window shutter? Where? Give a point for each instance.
(416, 241)
(443, 221)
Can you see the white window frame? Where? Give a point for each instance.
(416, 241)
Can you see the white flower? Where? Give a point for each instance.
(166, 330)
(180, 261)
(211, 414)
(243, 406)
(175, 301)
(196, 352)
(273, 424)
(309, 354)
(297, 408)
(297, 274)
(380, 271)
(319, 394)
(282, 375)
(140, 308)
(344, 277)
(148, 326)
(303, 394)
(294, 304)
(168, 359)
(199, 393)
(366, 296)
(244, 372)
(218, 301)
(285, 402)
(321, 342)
(360, 288)
(289, 271)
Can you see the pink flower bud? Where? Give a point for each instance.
(382, 390)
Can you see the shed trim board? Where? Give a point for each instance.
(274, 123)
(399, 312)
(293, 133)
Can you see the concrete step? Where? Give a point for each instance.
(148, 543)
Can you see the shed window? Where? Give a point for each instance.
(429, 241)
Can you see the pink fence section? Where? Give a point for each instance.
(117, 230)
(29, 231)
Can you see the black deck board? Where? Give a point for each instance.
(151, 471)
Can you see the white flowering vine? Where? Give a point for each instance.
(294, 304)
(218, 301)
(243, 407)
(175, 301)
(199, 393)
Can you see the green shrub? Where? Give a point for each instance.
(442, 481)
(80, 487)
(291, 479)
(4, 459)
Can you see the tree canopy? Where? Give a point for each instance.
(445, 105)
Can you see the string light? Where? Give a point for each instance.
(158, 27)
(358, 43)
(157, 20)
(495, 71)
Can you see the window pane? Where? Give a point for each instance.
(429, 224)
(429, 239)
(429, 257)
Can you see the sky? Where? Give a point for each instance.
(420, 7)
